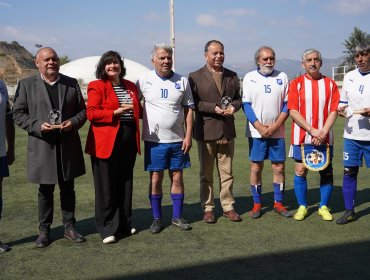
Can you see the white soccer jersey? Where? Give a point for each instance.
(164, 102)
(356, 94)
(266, 94)
(3, 102)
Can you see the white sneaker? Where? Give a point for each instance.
(109, 240)
(133, 231)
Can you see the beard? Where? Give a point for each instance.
(266, 70)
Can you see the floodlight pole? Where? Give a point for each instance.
(172, 32)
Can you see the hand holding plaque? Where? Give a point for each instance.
(55, 119)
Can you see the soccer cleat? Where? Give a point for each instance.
(256, 211)
(301, 213)
(325, 214)
(348, 216)
(281, 210)
(181, 223)
(156, 226)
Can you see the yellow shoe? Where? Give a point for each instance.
(325, 214)
(301, 213)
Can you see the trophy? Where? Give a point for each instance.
(225, 102)
(55, 119)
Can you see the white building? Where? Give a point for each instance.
(83, 70)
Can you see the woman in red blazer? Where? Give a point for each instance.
(113, 108)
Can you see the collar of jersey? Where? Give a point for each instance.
(166, 78)
(363, 73)
(265, 75)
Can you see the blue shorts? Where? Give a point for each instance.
(161, 156)
(354, 151)
(267, 148)
(297, 153)
(4, 169)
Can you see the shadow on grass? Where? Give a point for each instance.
(142, 218)
(243, 204)
(348, 261)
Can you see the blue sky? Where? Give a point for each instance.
(80, 28)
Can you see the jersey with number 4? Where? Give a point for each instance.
(356, 94)
(266, 95)
(164, 102)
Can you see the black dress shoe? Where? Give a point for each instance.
(4, 247)
(43, 240)
(74, 236)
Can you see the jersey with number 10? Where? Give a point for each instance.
(356, 94)
(266, 95)
(314, 100)
(164, 102)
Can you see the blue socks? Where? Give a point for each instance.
(300, 189)
(325, 192)
(256, 193)
(349, 191)
(177, 203)
(156, 203)
(278, 191)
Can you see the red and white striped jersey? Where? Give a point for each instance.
(314, 100)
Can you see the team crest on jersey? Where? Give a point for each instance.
(177, 85)
(279, 81)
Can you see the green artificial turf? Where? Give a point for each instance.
(271, 247)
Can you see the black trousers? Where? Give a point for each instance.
(113, 181)
(67, 201)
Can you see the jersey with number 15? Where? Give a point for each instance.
(266, 95)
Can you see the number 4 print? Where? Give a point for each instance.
(361, 89)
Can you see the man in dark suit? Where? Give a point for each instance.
(54, 153)
(216, 92)
(6, 145)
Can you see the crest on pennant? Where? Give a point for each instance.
(315, 158)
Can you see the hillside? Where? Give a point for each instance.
(15, 63)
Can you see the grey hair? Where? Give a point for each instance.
(257, 54)
(161, 46)
(309, 51)
(45, 48)
(362, 47)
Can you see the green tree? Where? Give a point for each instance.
(64, 59)
(356, 37)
